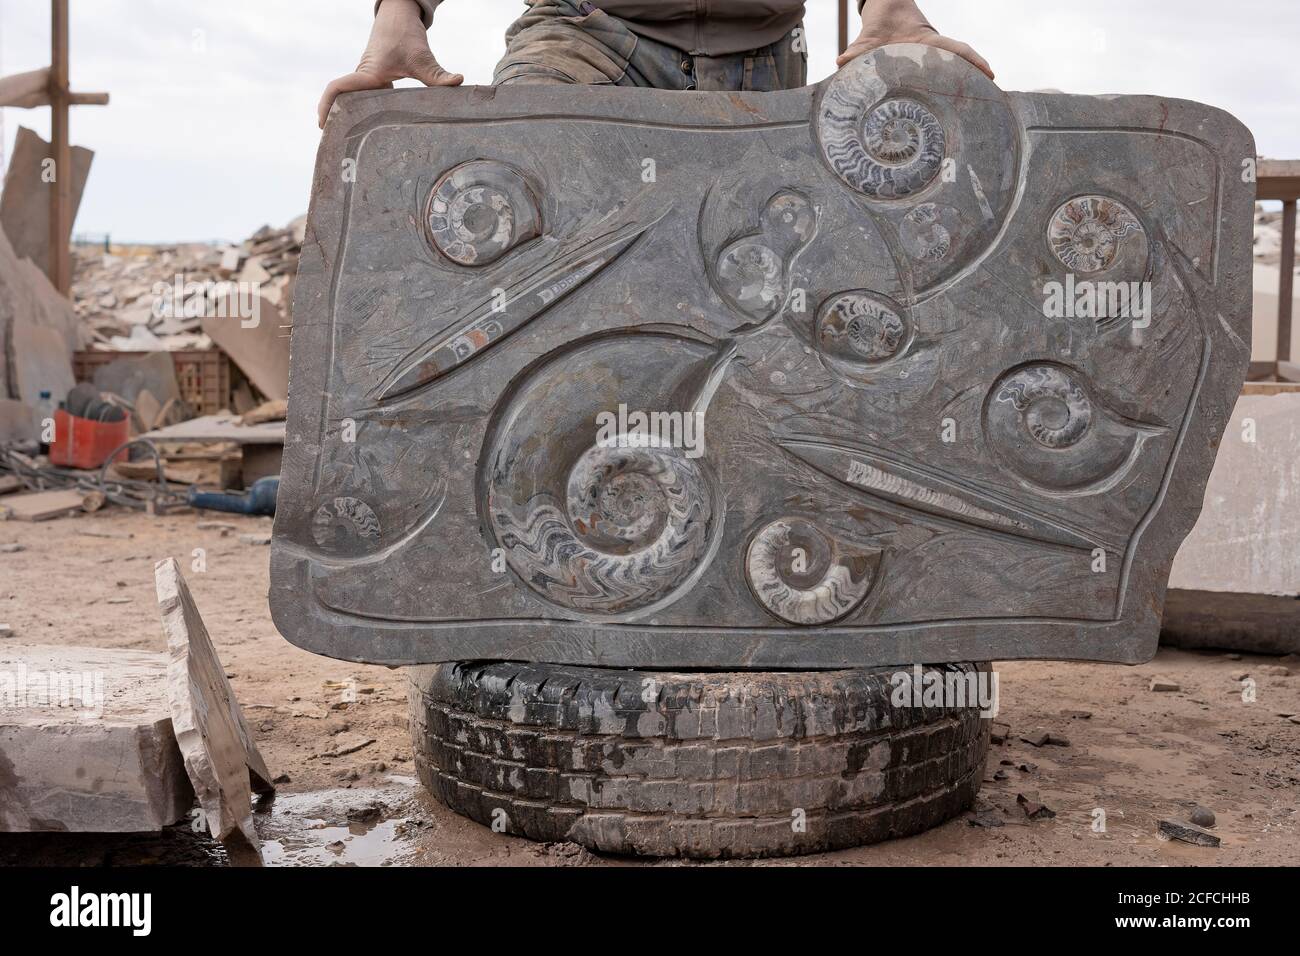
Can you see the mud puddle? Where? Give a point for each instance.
(374, 826)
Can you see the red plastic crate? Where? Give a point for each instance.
(83, 443)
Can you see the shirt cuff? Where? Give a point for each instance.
(426, 10)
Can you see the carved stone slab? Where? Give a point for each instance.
(834, 376)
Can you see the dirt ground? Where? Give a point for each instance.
(1139, 756)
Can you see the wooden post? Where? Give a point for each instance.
(1286, 268)
(61, 195)
(844, 24)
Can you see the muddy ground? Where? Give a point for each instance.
(1139, 756)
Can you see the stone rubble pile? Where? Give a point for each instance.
(1268, 237)
(153, 298)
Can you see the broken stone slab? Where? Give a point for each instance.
(17, 421)
(129, 378)
(25, 204)
(916, 431)
(27, 298)
(42, 505)
(86, 742)
(41, 363)
(252, 334)
(1187, 833)
(220, 755)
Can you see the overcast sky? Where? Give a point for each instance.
(212, 129)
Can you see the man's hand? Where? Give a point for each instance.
(398, 49)
(899, 21)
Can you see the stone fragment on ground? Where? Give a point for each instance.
(1032, 808)
(1202, 816)
(1187, 833)
(220, 756)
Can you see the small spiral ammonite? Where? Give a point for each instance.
(479, 211)
(799, 574)
(753, 275)
(1052, 407)
(1087, 233)
(861, 327)
(344, 521)
(925, 234)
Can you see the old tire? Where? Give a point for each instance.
(713, 765)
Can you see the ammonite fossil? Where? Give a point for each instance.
(752, 275)
(887, 150)
(802, 576)
(342, 521)
(927, 232)
(481, 210)
(1090, 234)
(753, 271)
(1044, 422)
(632, 528)
(862, 328)
(593, 512)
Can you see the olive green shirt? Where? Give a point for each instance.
(705, 27)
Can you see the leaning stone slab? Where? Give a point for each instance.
(899, 367)
(220, 755)
(86, 742)
(1235, 581)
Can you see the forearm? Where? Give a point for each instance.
(891, 7)
(424, 8)
(893, 12)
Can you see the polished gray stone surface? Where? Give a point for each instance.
(888, 423)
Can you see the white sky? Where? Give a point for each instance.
(212, 142)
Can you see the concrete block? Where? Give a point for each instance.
(1236, 579)
(86, 742)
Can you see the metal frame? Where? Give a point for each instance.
(50, 87)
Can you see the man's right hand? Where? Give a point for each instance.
(398, 49)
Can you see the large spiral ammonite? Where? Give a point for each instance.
(888, 151)
(479, 211)
(1088, 234)
(799, 573)
(593, 480)
(862, 328)
(633, 526)
(1045, 423)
